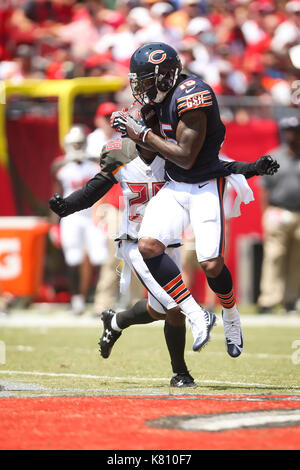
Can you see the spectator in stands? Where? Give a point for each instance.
(36, 19)
(259, 38)
(99, 65)
(83, 31)
(280, 281)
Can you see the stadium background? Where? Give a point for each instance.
(247, 51)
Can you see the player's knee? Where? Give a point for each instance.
(154, 314)
(149, 247)
(212, 267)
(174, 317)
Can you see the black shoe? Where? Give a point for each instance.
(109, 336)
(265, 310)
(182, 380)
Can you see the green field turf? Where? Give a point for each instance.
(65, 361)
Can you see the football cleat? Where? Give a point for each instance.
(109, 336)
(182, 381)
(233, 336)
(201, 328)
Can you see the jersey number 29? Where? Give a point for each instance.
(142, 197)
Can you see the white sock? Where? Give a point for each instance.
(114, 323)
(77, 303)
(231, 313)
(190, 306)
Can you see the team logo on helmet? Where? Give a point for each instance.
(161, 56)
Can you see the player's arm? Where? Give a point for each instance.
(265, 165)
(85, 197)
(190, 136)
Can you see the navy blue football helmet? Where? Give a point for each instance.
(154, 70)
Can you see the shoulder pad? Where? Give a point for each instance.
(115, 154)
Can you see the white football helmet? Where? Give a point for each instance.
(75, 143)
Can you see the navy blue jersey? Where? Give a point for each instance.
(192, 93)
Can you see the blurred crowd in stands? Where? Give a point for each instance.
(239, 47)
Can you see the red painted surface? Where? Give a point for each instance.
(120, 423)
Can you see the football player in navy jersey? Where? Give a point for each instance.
(193, 132)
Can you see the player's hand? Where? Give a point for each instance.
(117, 121)
(124, 123)
(58, 205)
(266, 165)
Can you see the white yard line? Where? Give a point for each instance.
(245, 354)
(137, 379)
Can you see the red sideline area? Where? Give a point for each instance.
(121, 423)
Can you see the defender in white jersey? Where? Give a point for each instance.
(140, 180)
(79, 234)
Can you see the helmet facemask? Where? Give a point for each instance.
(153, 87)
(75, 143)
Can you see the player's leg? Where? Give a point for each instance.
(97, 251)
(209, 228)
(142, 313)
(72, 246)
(277, 242)
(292, 279)
(175, 334)
(114, 323)
(164, 222)
(158, 307)
(107, 288)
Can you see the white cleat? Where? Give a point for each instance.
(233, 336)
(201, 326)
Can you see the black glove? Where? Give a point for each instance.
(266, 165)
(58, 205)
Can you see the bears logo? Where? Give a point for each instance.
(161, 56)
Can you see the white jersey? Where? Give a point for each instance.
(140, 182)
(74, 175)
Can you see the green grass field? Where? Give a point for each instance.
(45, 359)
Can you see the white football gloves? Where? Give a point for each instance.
(128, 126)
